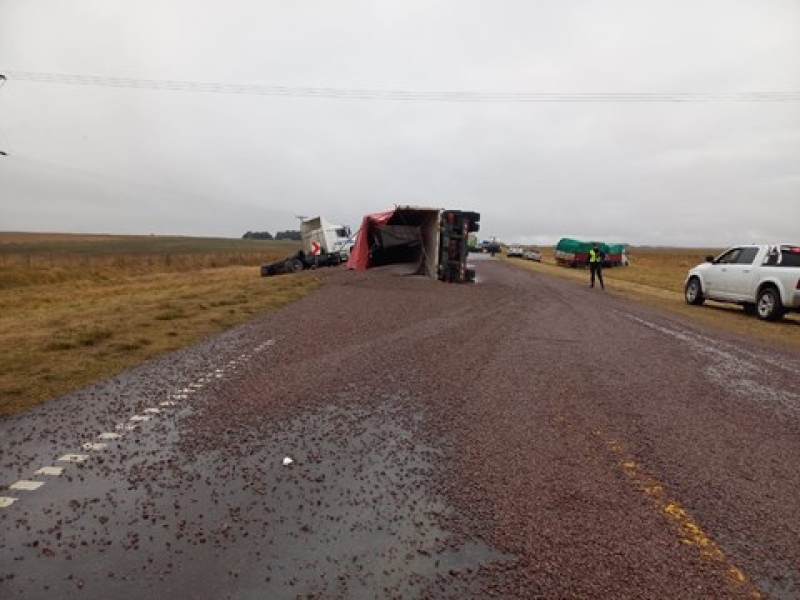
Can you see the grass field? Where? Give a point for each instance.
(78, 308)
(37, 258)
(129, 299)
(656, 277)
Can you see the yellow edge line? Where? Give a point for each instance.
(690, 532)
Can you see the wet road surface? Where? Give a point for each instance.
(396, 437)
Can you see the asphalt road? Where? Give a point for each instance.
(396, 437)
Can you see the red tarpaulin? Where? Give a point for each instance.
(359, 255)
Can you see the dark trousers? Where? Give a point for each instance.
(596, 269)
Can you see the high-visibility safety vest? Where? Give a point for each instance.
(594, 255)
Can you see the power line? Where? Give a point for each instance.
(327, 93)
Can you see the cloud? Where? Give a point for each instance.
(682, 173)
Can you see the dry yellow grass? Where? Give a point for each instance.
(35, 258)
(656, 277)
(25, 237)
(60, 337)
(62, 328)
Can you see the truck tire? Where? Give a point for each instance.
(294, 265)
(769, 305)
(693, 292)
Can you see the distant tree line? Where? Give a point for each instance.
(266, 235)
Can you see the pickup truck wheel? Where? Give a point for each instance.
(694, 292)
(295, 265)
(769, 305)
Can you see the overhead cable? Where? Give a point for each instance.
(328, 93)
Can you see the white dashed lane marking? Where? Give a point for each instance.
(94, 446)
(74, 458)
(53, 471)
(133, 423)
(27, 485)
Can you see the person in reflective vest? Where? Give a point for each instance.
(596, 258)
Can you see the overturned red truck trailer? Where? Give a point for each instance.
(433, 240)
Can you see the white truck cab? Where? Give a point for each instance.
(320, 236)
(764, 279)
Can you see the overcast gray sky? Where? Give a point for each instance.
(107, 155)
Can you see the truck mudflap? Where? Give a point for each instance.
(455, 227)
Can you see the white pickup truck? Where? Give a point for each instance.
(764, 279)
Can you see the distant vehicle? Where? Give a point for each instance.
(488, 247)
(763, 279)
(534, 255)
(325, 244)
(514, 251)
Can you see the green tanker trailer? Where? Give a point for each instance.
(575, 253)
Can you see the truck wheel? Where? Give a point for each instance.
(769, 305)
(694, 292)
(295, 265)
